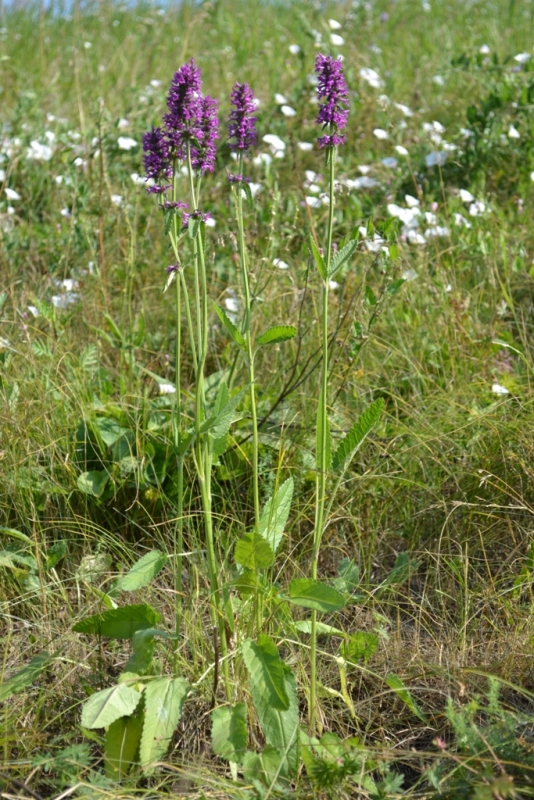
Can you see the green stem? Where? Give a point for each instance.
(322, 433)
(202, 441)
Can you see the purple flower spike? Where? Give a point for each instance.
(184, 95)
(207, 133)
(156, 157)
(241, 122)
(332, 88)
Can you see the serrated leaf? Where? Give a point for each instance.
(254, 552)
(142, 572)
(280, 726)
(229, 732)
(164, 701)
(356, 436)
(232, 329)
(398, 686)
(119, 623)
(218, 424)
(267, 671)
(275, 512)
(319, 260)
(278, 333)
(308, 593)
(93, 483)
(168, 215)
(104, 707)
(193, 226)
(122, 744)
(26, 676)
(341, 257)
(359, 647)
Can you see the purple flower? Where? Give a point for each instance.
(241, 122)
(183, 102)
(207, 133)
(237, 178)
(172, 268)
(332, 88)
(158, 189)
(173, 204)
(156, 157)
(195, 215)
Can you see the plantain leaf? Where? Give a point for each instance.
(93, 483)
(341, 257)
(275, 513)
(229, 732)
(254, 552)
(267, 671)
(308, 593)
(278, 333)
(143, 571)
(357, 434)
(122, 744)
(232, 329)
(119, 623)
(104, 707)
(164, 701)
(319, 260)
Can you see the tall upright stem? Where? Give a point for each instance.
(250, 352)
(322, 435)
(202, 443)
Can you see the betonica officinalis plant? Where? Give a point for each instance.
(249, 610)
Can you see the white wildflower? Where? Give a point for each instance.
(306, 147)
(337, 40)
(380, 133)
(11, 194)
(498, 389)
(126, 143)
(334, 25)
(277, 262)
(371, 77)
(288, 111)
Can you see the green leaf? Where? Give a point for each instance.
(193, 226)
(93, 483)
(254, 552)
(142, 572)
(394, 286)
(109, 429)
(359, 647)
(356, 436)
(305, 626)
(104, 707)
(26, 676)
(267, 671)
(143, 650)
(164, 701)
(119, 623)
(319, 260)
(278, 333)
(267, 770)
(307, 593)
(341, 257)
(401, 570)
(244, 186)
(232, 329)
(55, 553)
(122, 744)
(218, 424)
(280, 726)
(229, 732)
(275, 513)
(398, 686)
(15, 534)
(370, 296)
(348, 576)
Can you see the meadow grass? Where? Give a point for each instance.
(436, 512)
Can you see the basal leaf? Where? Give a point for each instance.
(319, 260)
(142, 572)
(275, 513)
(398, 686)
(232, 329)
(164, 701)
(267, 671)
(104, 707)
(254, 552)
(280, 726)
(122, 744)
(229, 732)
(119, 623)
(307, 593)
(219, 423)
(357, 434)
(26, 676)
(341, 257)
(93, 483)
(278, 333)
(108, 429)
